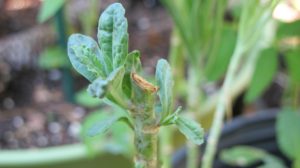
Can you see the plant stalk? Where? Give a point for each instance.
(241, 82)
(146, 134)
(166, 147)
(146, 145)
(223, 101)
(194, 98)
(192, 155)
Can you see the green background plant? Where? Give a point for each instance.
(244, 156)
(288, 136)
(203, 40)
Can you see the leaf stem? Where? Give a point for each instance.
(223, 100)
(166, 147)
(192, 155)
(241, 82)
(194, 98)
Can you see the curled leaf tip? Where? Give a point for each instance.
(143, 84)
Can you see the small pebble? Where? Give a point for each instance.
(54, 127)
(8, 103)
(42, 141)
(143, 23)
(74, 129)
(18, 121)
(13, 143)
(22, 132)
(56, 139)
(54, 75)
(8, 135)
(79, 112)
(25, 143)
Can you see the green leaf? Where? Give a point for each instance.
(118, 134)
(241, 156)
(236, 12)
(86, 56)
(245, 156)
(181, 17)
(190, 129)
(103, 125)
(272, 161)
(121, 134)
(296, 163)
(253, 23)
(53, 57)
(165, 83)
(113, 36)
(127, 85)
(264, 73)
(288, 29)
(293, 64)
(223, 55)
(49, 9)
(171, 119)
(100, 87)
(133, 63)
(288, 132)
(83, 98)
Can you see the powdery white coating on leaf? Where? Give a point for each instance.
(113, 36)
(85, 56)
(101, 86)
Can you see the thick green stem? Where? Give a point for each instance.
(224, 99)
(146, 134)
(146, 145)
